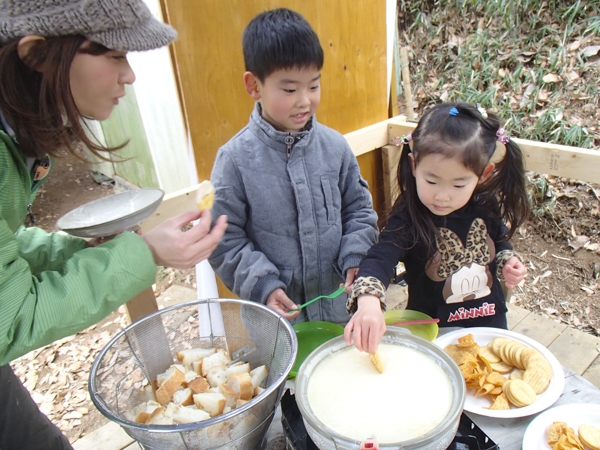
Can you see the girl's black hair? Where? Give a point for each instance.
(280, 39)
(471, 137)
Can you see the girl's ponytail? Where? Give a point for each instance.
(507, 185)
(408, 202)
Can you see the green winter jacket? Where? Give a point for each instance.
(51, 285)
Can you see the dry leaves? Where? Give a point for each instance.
(57, 375)
(561, 250)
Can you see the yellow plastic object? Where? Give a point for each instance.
(427, 331)
(310, 336)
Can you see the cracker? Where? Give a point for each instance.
(538, 375)
(590, 436)
(488, 354)
(519, 393)
(516, 374)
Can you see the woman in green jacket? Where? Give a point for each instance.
(61, 61)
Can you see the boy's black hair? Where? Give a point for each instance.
(280, 39)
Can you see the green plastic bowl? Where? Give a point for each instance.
(310, 336)
(427, 331)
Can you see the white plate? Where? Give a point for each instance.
(575, 414)
(111, 215)
(480, 405)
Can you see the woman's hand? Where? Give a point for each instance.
(513, 271)
(279, 302)
(173, 247)
(367, 325)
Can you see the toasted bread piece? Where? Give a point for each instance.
(257, 391)
(145, 410)
(211, 402)
(188, 414)
(160, 417)
(180, 367)
(189, 376)
(242, 384)
(230, 395)
(216, 376)
(173, 378)
(238, 367)
(147, 393)
(239, 403)
(183, 397)
(189, 356)
(205, 195)
(258, 375)
(376, 361)
(197, 367)
(199, 385)
(219, 358)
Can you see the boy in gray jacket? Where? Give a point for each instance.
(300, 214)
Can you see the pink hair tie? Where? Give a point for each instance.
(402, 140)
(502, 136)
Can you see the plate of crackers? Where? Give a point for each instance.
(507, 374)
(575, 426)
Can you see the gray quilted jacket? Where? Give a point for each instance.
(300, 215)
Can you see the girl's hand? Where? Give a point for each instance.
(350, 277)
(514, 271)
(367, 325)
(279, 302)
(173, 247)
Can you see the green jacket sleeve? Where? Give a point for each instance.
(46, 251)
(39, 307)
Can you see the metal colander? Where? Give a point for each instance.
(249, 331)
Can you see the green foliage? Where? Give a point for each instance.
(519, 58)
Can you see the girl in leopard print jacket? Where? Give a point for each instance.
(451, 223)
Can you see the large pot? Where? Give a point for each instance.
(439, 437)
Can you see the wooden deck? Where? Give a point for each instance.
(576, 350)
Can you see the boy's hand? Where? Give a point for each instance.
(279, 302)
(514, 271)
(367, 324)
(350, 276)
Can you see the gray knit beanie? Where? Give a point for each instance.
(123, 25)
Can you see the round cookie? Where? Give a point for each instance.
(590, 436)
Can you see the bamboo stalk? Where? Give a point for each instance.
(410, 113)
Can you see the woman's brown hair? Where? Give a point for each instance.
(38, 104)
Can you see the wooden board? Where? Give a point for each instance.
(108, 437)
(209, 62)
(540, 157)
(391, 157)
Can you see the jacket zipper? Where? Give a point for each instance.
(289, 143)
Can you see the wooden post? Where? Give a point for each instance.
(410, 113)
(141, 305)
(390, 158)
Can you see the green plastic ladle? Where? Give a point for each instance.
(332, 295)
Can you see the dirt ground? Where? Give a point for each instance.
(560, 248)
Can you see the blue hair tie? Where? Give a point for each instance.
(453, 112)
